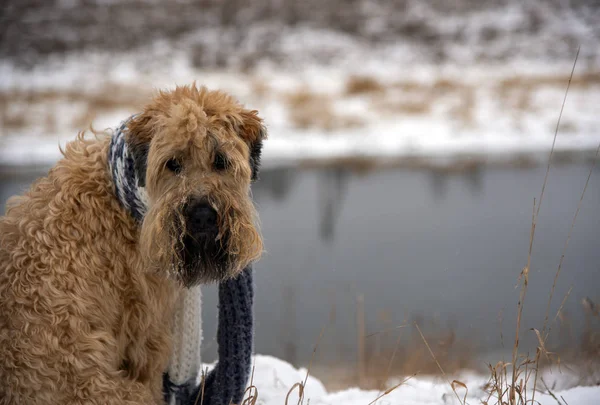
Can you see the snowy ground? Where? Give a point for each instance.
(412, 80)
(432, 113)
(274, 378)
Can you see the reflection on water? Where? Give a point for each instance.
(417, 245)
(440, 179)
(332, 188)
(420, 245)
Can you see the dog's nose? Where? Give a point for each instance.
(201, 216)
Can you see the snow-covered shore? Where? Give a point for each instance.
(273, 378)
(443, 113)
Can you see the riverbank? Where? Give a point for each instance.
(426, 116)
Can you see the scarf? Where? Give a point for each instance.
(226, 383)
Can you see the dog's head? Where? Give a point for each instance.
(196, 152)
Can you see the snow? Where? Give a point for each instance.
(273, 378)
(475, 117)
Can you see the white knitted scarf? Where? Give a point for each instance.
(187, 321)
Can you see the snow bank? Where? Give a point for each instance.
(273, 378)
(425, 112)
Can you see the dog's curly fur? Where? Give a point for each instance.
(86, 293)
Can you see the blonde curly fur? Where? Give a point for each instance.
(87, 294)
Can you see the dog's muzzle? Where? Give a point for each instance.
(203, 253)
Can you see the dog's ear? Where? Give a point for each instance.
(253, 132)
(139, 135)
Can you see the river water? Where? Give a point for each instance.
(441, 248)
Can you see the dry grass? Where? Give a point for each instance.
(517, 92)
(581, 357)
(581, 80)
(420, 98)
(309, 110)
(260, 88)
(404, 107)
(12, 119)
(363, 85)
(109, 96)
(445, 85)
(20, 108)
(451, 97)
(588, 355)
(512, 387)
(408, 355)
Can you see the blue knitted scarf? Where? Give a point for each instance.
(226, 383)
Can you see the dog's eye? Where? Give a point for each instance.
(220, 162)
(174, 165)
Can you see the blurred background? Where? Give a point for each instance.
(408, 139)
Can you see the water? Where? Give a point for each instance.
(423, 245)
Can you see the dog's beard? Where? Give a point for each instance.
(190, 257)
(202, 259)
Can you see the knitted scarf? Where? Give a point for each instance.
(226, 383)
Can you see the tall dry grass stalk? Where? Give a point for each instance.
(543, 337)
(517, 368)
(360, 326)
(522, 366)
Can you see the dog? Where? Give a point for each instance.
(90, 269)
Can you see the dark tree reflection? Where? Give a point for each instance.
(332, 186)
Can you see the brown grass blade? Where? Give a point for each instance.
(556, 131)
(562, 257)
(300, 392)
(463, 385)
(437, 362)
(389, 366)
(524, 276)
(391, 389)
(252, 395)
(303, 384)
(572, 223)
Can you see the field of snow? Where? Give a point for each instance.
(431, 113)
(274, 378)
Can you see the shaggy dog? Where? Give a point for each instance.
(88, 286)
